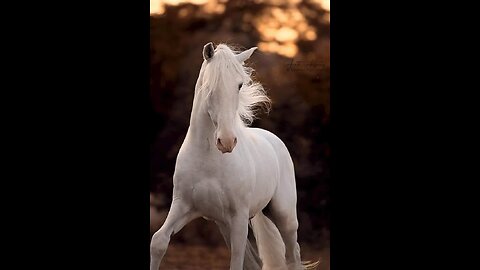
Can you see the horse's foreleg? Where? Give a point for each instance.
(178, 216)
(238, 241)
(225, 233)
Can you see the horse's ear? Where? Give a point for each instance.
(241, 57)
(208, 51)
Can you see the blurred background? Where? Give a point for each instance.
(293, 65)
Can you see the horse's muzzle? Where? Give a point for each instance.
(226, 145)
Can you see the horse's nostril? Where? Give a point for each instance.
(235, 140)
(219, 141)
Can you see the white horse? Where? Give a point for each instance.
(228, 173)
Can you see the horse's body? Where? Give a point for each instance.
(226, 183)
(233, 185)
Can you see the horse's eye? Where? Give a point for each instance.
(240, 86)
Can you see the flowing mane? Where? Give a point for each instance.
(252, 96)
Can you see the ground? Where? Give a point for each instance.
(200, 257)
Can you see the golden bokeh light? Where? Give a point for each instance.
(325, 4)
(178, 2)
(213, 7)
(286, 34)
(156, 7)
(280, 28)
(310, 35)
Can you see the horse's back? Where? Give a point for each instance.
(280, 148)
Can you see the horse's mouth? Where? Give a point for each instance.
(224, 150)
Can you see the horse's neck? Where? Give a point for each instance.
(201, 126)
(201, 129)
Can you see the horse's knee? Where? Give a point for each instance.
(159, 242)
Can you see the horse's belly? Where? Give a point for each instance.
(260, 198)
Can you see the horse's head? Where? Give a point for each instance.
(224, 78)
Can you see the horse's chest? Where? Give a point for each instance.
(217, 188)
(216, 201)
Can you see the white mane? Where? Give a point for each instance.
(221, 67)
